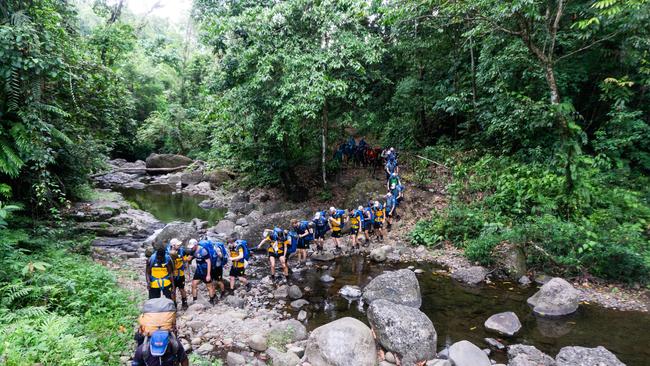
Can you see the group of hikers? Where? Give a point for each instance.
(167, 267)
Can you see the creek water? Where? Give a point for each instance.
(166, 205)
(457, 311)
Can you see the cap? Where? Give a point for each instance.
(192, 243)
(376, 203)
(317, 215)
(332, 209)
(158, 343)
(360, 208)
(175, 243)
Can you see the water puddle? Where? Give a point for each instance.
(167, 206)
(458, 312)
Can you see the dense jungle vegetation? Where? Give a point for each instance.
(540, 111)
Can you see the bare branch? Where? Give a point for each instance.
(609, 36)
(554, 28)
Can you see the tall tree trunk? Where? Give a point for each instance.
(324, 140)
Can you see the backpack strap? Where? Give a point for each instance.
(145, 349)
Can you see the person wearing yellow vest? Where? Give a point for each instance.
(278, 242)
(337, 221)
(159, 272)
(180, 257)
(238, 264)
(379, 218)
(355, 217)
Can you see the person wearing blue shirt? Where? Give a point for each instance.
(391, 208)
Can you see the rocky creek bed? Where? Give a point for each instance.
(318, 314)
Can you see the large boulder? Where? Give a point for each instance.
(193, 177)
(217, 177)
(511, 258)
(403, 330)
(521, 355)
(343, 342)
(506, 324)
(183, 231)
(582, 356)
(464, 353)
(556, 298)
(400, 287)
(167, 161)
(225, 227)
(471, 275)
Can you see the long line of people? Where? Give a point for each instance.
(167, 267)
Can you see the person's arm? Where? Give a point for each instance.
(170, 269)
(264, 241)
(147, 275)
(182, 356)
(208, 277)
(240, 256)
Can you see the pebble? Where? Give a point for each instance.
(302, 316)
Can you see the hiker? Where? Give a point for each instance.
(355, 217)
(217, 271)
(203, 272)
(378, 222)
(336, 221)
(160, 349)
(305, 232)
(397, 191)
(159, 271)
(366, 223)
(277, 241)
(390, 210)
(179, 257)
(320, 229)
(393, 180)
(391, 168)
(238, 257)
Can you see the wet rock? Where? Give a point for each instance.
(378, 255)
(189, 178)
(418, 271)
(521, 355)
(158, 161)
(506, 324)
(225, 227)
(350, 292)
(343, 342)
(205, 349)
(582, 356)
(117, 179)
(294, 292)
(400, 287)
(524, 281)
(298, 304)
(183, 231)
(494, 344)
(235, 359)
(471, 275)
(290, 330)
(512, 259)
(554, 327)
(556, 298)
(464, 353)
(403, 330)
(323, 257)
(326, 278)
(257, 342)
(302, 316)
(542, 279)
(279, 358)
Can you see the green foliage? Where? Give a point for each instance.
(59, 308)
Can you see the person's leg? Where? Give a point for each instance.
(285, 268)
(195, 289)
(232, 283)
(272, 263)
(167, 292)
(154, 293)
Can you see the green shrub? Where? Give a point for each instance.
(480, 249)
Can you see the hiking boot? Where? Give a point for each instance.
(212, 300)
(184, 305)
(248, 286)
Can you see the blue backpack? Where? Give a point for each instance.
(220, 247)
(243, 244)
(304, 226)
(207, 245)
(338, 214)
(372, 214)
(293, 246)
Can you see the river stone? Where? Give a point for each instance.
(471, 275)
(326, 278)
(226, 227)
(235, 301)
(302, 315)
(279, 358)
(193, 177)
(206, 348)
(506, 324)
(582, 356)
(281, 292)
(183, 231)
(438, 362)
(378, 255)
(350, 292)
(400, 287)
(464, 353)
(521, 355)
(157, 161)
(403, 330)
(343, 342)
(294, 292)
(556, 298)
(217, 177)
(241, 222)
(257, 342)
(235, 359)
(291, 330)
(298, 304)
(494, 344)
(511, 258)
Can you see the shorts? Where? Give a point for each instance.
(320, 234)
(276, 255)
(237, 272)
(337, 234)
(304, 243)
(378, 225)
(354, 230)
(391, 214)
(179, 282)
(154, 293)
(367, 226)
(200, 276)
(217, 274)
